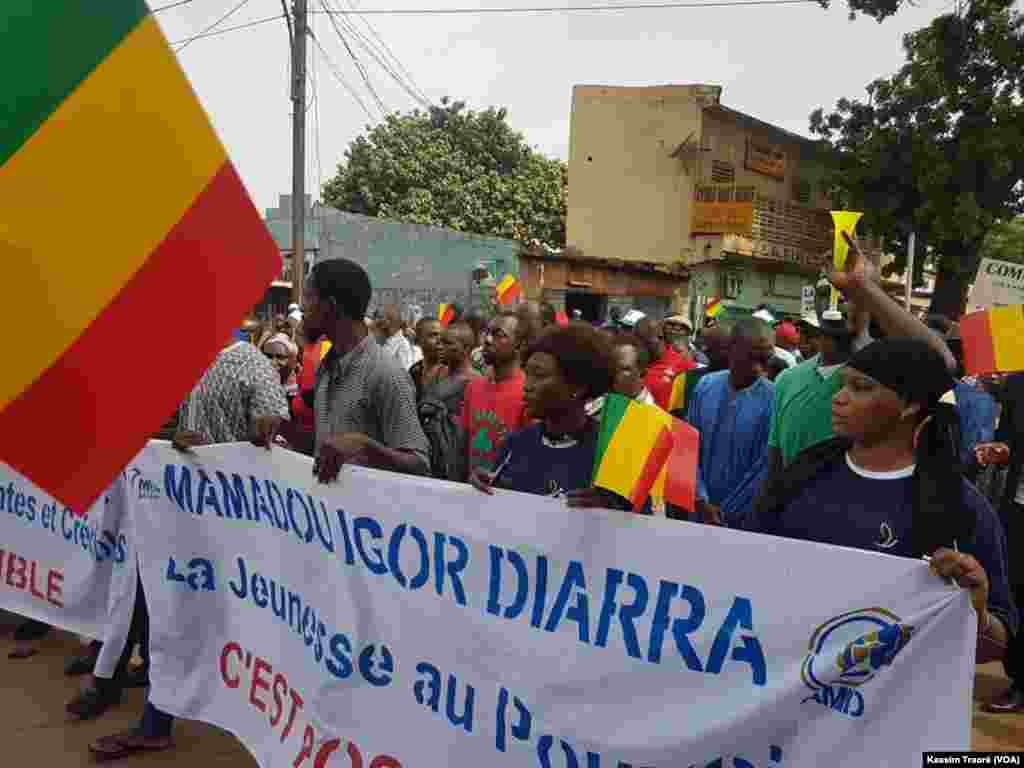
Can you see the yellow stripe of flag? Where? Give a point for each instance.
(636, 437)
(84, 161)
(1007, 344)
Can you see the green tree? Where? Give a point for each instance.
(938, 148)
(1005, 241)
(456, 168)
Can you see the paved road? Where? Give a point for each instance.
(33, 729)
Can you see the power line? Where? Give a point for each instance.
(171, 5)
(367, 45)
(565, 8)
(341, 78)
(238, 6)
(316, 124)
(225, 30)
(417, 94)
(355, 60)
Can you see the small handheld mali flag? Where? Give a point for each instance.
(993, 340)
(508, 290)
(445, 314)
(101, 103)
(714, 308)
(635, 444)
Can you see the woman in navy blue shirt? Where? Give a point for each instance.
(891, 482)
(565, 369)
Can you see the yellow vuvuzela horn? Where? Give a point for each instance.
(845, 221)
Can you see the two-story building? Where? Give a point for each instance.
(668, 175)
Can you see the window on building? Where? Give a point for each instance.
(723, 172)
(725, 194)
(744, 194)
(802, 191)
(733, 285)
(706, 194)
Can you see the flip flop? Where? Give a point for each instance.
(121, 745)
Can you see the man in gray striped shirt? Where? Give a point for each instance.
(364, 402)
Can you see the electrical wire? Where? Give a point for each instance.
(225, 30)
(288, 22)
(171, 5)
(380, 54)
(368, 46)
(568, 8)
(235, 9)
(341, 78)
(388, 51)
(316, 124)
(355, 60)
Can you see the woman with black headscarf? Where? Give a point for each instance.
(891, 482)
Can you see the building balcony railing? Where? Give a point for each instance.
(762, 227)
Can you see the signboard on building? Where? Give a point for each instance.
(807, 300)
(998, 284)
(765, 158)
(715, 218)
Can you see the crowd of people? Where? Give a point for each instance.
(859, 432)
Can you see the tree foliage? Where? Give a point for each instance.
(1005, 241)
(456, 168)
(938, 148)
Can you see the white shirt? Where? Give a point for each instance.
(786, 356)
(399, 347)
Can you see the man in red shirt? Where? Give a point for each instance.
(668, 363)
(493, 404)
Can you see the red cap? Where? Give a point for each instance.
(787, 332)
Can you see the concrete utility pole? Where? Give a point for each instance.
(300, 17)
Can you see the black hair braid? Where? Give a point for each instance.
(939, 515)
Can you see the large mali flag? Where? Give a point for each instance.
(508, 290)
(122, 217)
(993, 340)
(634, 442)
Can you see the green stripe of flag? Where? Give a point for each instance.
(612, 413)
(47, 48)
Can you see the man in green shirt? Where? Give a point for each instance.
(802, 415)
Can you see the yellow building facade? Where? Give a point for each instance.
(669, 175)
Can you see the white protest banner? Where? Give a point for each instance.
(387, 621)
(58, 567)
(998, 284)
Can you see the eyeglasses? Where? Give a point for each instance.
(497, 333)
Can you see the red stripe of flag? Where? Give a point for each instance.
(681, 471)
(978, 345)
(652, 468)
(82, 422)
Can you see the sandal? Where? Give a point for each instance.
(92, 702)
(125, 744)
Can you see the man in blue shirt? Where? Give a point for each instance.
(733, 412)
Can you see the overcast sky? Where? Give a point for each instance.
(777, 63)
